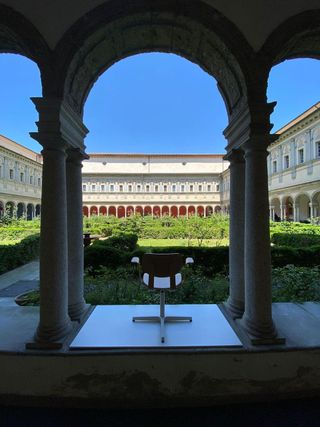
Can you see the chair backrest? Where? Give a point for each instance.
(162, 265)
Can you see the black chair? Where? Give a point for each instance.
(161, 272)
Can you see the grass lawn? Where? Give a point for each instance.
(151, 243)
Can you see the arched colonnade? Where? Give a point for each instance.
(201, 34)
(18, 209)
(121, 211)
(295, 207)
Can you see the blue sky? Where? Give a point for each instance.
(156, 103)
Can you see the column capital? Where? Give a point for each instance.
(235, 156)
(58, 124)
(76, 156)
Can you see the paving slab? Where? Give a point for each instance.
(19, 287)
(28, 271)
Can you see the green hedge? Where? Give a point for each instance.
(295, 240)
(12, 256)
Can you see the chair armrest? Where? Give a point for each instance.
(189, 260)
(135, 260)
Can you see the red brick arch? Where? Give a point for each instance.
(191, 210)
(130, 210)
(139, 210)
(200, 211)
(103, 210)
(174, 211)
(182, 211)
(85, 211)
(156, 211)
(165, 210)
(93, 210)
(121, 212)
(112, 211)
(147, 210)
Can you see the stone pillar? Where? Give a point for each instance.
(282, 211)
(235, 302)
(296, 213)
(54, 322)
(59, 128)
(76, 303)
(271, 213)
(257, 318)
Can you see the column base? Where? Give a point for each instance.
(234, 307)
(50, 339)
(78, 311)
(263, 334)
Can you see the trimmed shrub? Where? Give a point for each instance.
(299, 284)
(303, 257)
(96, 256)
(295, 240)
(12, 256)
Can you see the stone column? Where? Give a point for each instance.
(257, 318)
(296, 213)
(282, 211)
(54, 322)
(76, 303)
(235, 302)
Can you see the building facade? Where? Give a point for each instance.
(293, 170)
(176, 185)
(20, 180)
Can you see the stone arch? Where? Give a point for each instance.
(21, 210)
(191, 29)
(182, 211)
(302, 202)
(275, 209)
(102, 210)
(85, 211)
(121, 212)
(191, 210)
(174, 211)
(112, 211)
(315, 201)
(147, 210)
(93, 210)
(30, 211)
(38, 210)
(139, 210)
(288, 208)
(156, 211)
(20, 36)
(297, 37)
(10, 209)
(217, 209)
(200, 210)
(130, 210)
(165, 210)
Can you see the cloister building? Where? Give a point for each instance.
(163, 184)
(20, 180)
(174, 184)
(237, 44)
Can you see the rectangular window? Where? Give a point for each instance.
(21, 176)
(300, 155)
(84, 187)
(200, 188)
(317, 150)
(165, 188)
(274, 166)
(31, 179)
(156, 188)
(208, 187)
(39, 182)
(121, 188)
(93, 187)
(217, 187)
(182, 188)
(286, 162)
(130, 188)
(11, 173)
(103, 187)
(191, 187)
(138, 187)
(111, 187)
(147, 188)
(174, 188)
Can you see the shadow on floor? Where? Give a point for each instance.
(293, 413)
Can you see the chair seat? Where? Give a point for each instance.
(161, 282)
